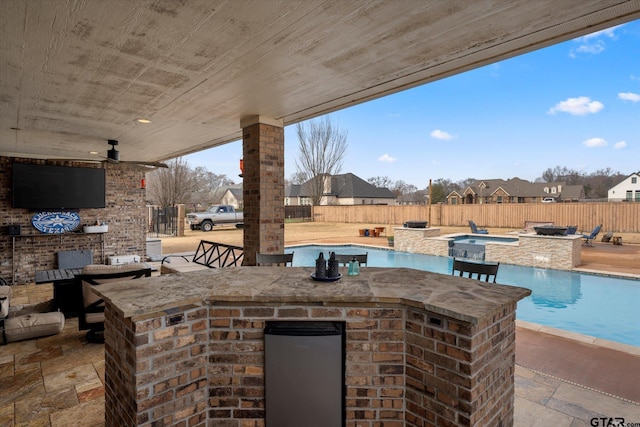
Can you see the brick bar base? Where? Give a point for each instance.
(204, 366)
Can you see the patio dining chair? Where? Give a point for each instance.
(344, 259)
(475, 270)
(277, 260)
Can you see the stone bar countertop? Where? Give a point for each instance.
(459, 298)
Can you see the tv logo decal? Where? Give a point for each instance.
(55, 222)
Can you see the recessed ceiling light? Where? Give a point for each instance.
(143, 121)
(93, 152)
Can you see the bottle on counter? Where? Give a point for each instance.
(354, 267)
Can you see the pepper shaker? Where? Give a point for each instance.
(333, 270)
(321, 266)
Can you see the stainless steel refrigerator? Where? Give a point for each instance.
(304, 374)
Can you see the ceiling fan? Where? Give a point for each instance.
(113, 158)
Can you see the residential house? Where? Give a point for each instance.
(233, 196)
(223, 195)
(515, 190)
(344, 189)
(626, 191)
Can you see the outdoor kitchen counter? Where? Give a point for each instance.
(458, 298)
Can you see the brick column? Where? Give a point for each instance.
(263, 186)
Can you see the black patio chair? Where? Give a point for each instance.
(344, 259)
(276, 260)
(476, 270)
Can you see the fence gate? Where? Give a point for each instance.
(298, 212)
(163, 221)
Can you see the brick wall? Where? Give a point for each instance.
(125, 214)
(404, 366)
(263, 190)
(161, 369)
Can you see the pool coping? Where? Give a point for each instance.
(574, 336)
(606, 273)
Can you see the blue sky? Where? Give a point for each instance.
(576, 104)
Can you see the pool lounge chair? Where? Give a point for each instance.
(571, 230)
(588, 238)
(475, 230)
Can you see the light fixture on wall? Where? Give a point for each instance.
(241, 168)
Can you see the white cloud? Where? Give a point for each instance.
(385, 158)
(609, 32)
(629, 96)
(593, 49)
(595, 142)
(577, 106)
(620, 144)
(440, 134)
(593, 43)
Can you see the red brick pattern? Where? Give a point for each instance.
(160, 369)
(404, 366)
(263, 190)
(125, 214)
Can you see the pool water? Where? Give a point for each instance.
(600, 306)
(481, 240)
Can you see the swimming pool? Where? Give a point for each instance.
(599, 306)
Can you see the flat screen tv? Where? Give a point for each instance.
(45, 187)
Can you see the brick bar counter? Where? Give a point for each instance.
(421, 348)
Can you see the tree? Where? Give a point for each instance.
(381, 181)
(208, 182)
(298, 177)
(562, 174)
(172, 185)
(322, 148)
(180, 184)
(438, 193)
(401, 188)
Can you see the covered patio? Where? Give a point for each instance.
(167, 79)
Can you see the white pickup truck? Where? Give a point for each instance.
(215, 215)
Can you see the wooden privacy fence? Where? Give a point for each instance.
(616, 217)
